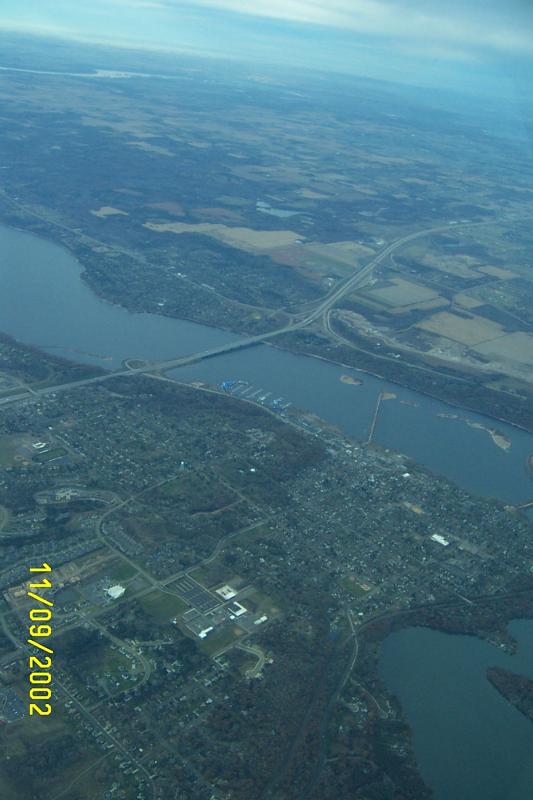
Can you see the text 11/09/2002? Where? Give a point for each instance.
(40, 628)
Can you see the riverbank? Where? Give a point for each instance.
(449, 386)
(445, 384)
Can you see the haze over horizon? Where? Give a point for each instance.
(476, 46)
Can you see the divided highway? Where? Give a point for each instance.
(353, 282)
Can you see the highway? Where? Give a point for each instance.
(359, 277)
(353, 282)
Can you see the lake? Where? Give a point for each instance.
(470, 743)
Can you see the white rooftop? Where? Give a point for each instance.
(440, 539)
(227, 592)
(237, 610)
(116, 591)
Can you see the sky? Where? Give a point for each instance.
(483, 45)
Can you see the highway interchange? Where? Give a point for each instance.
(319, 309)
(355, 281)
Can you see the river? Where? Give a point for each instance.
(469, 742)
(44, 302)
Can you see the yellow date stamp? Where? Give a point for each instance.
(39, 630)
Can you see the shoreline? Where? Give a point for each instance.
(84, 276)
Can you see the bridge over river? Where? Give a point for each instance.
(315, 310)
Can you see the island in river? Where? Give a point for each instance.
(319, 537)
(262, 557)
(349, 379)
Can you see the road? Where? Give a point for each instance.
(58, 684)
(121, 644)
(352, 283)
(359, 277)
(256, 651)
(117, 744)
(356, 631)
(326, 716)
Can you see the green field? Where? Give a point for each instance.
(9, 446)
(50, 455)
(121, 571)
(161, 606)
(223, 637)
(352, 585)
(67, 597)
(4, 516)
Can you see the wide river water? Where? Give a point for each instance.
(470, 743)
(44, 302)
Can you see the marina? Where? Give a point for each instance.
(57, 311)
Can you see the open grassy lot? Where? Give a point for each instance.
(512, 347)
(14, 449)
(355, 586)
(242, 238)
(121, 571)
(51, 455)
(223, 637)
(466, 331)
(402, 293)
(4, 517)
(161, 606)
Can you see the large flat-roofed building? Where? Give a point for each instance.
(115, 591)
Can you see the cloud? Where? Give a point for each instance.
(422, 41)
(139, 4)
(485, 24)
(450, 26)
